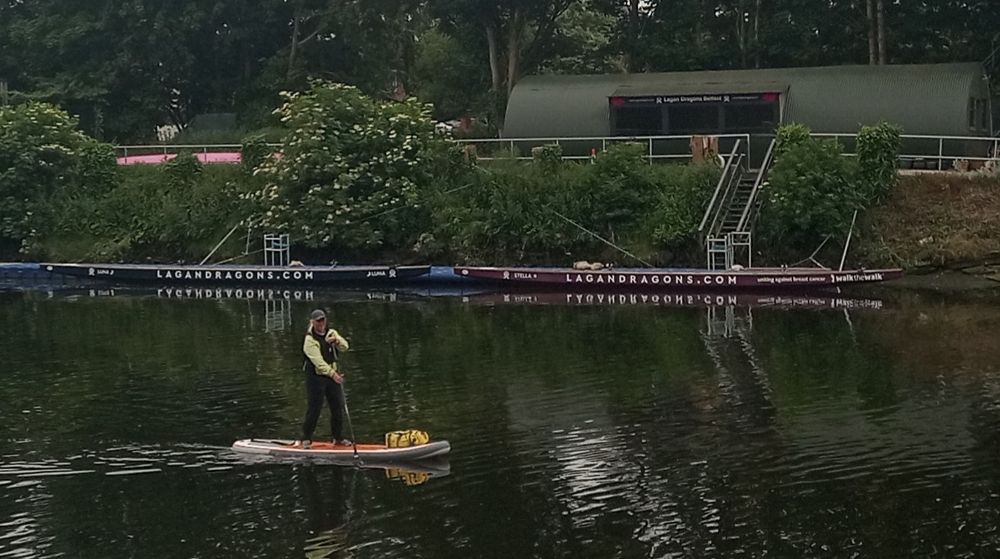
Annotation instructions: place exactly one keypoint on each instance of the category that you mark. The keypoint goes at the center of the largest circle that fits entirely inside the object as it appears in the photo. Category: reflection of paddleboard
(367, 452)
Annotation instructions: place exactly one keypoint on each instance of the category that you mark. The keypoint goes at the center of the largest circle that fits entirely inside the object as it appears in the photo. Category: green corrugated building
(933, 99)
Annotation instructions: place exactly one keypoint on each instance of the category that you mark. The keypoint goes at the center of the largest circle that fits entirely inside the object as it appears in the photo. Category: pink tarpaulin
(220, 158)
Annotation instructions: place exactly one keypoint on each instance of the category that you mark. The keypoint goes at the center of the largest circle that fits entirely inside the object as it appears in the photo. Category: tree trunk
(741, 32)
(699, 42)
(632, 39)
(756, 34)
(872, 54)
(491, 41)
(883, 56)
(293, 50)
(513, 50)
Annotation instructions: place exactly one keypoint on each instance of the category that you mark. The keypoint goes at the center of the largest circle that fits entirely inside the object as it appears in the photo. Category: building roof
(923, 99)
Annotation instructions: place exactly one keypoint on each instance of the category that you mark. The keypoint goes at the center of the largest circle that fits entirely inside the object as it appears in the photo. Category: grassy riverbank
(934, 222)
(169, 213)
(366, 181)
(928, 223)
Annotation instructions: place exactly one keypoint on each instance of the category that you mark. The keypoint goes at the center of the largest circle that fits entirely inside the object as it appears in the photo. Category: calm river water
(581, 427)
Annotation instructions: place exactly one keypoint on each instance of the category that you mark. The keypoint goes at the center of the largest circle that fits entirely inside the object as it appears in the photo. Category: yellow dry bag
(409, 437)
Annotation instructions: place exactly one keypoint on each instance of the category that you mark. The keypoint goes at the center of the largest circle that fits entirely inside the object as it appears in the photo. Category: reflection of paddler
(326, 502)
(327, 544)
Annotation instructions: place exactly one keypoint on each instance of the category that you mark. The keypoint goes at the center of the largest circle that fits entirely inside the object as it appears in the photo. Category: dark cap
(317, 314)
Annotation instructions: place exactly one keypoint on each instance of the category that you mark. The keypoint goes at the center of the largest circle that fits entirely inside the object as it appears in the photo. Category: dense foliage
(44, 159)
(126, 67)
(364, 180)
(553, 211)
(352, 170)
(355, 179)
(166, 213)
(878, 152)
(814, 190)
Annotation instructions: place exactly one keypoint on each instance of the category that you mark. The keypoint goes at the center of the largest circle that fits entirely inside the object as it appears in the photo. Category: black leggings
(319, 387)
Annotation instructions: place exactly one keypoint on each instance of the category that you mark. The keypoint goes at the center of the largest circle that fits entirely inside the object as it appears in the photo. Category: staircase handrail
(725, 181)
(729, 190)
(765, 166)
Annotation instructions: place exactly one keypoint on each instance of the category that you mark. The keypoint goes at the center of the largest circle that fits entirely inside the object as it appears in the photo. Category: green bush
(684, 195)
(814, 190)
(813, 193)
(790, 135)
(513, 212)
(878, 155)
(183, 172)
(97, 168)
(254, 152)
(621, 188)
(549, 154)
(44, 159)
(505, 212)
(159, 212)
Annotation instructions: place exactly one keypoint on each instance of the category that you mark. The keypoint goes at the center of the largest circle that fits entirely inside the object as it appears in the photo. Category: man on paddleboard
(323, 379)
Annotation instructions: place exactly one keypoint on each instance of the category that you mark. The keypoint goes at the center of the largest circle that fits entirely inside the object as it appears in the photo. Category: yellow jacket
(314, 351)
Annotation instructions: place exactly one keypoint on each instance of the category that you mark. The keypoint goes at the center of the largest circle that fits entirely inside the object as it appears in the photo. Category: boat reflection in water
(278, 303)
(486, 296)
(716, 299)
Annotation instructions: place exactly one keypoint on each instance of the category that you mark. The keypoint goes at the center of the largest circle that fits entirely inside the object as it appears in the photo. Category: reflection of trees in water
(690, 439)
(710, 466)
(613, 476)
(594, 431)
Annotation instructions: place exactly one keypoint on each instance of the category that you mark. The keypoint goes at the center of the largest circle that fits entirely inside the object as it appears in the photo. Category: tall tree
(516, 32)
(883, 57)
(872, 32)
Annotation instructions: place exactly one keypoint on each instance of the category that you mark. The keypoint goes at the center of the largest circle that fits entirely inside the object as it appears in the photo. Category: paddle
(350, 424)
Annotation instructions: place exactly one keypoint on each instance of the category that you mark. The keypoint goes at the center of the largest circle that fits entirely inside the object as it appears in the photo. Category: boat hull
(237, 275)
(670, 279)
(367, 452)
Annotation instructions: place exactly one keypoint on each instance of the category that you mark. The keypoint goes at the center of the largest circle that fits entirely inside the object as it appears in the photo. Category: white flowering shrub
(351, 170)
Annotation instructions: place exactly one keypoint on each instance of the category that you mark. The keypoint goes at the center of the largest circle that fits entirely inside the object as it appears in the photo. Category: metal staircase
(727, 225)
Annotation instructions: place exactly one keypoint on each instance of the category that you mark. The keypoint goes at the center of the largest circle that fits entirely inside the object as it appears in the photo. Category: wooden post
(3, 93)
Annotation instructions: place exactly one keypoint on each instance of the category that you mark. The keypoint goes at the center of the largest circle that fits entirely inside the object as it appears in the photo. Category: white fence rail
(172, 149)
(663, 148)
(936, 153)
(918, 151)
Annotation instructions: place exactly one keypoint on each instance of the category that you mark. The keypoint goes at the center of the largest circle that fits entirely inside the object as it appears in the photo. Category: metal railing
(936, 153)
(747, 217)
(658, 148)
(731, 172)
(918, 151)
(172, 149)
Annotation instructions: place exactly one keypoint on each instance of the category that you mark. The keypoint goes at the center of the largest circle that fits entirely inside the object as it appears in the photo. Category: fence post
(940, 152)
(512, 154)
(650, 140)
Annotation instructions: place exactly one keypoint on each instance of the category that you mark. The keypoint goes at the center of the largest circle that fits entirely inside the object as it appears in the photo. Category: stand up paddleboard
(366, 452)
